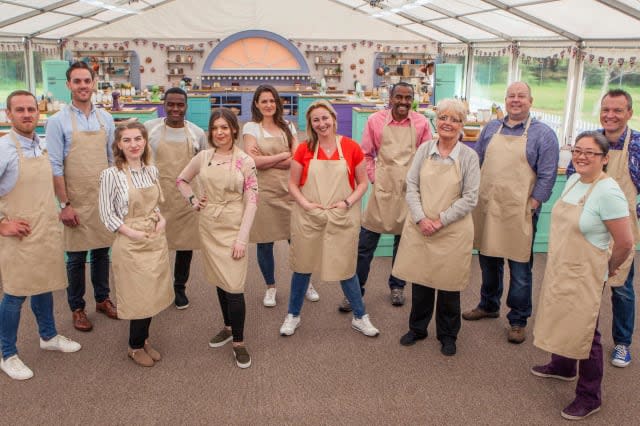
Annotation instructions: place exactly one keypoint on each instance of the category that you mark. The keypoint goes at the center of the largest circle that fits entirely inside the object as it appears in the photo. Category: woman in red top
(327, 179)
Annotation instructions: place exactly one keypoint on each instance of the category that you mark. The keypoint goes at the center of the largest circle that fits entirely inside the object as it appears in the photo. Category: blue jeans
(266, 262)
(367, 243)
(623, 303)
(76, 276)
(350, 288)
(520, 284)
(10, 307)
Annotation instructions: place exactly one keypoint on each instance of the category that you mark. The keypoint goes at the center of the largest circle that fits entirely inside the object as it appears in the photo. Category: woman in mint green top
(591, 212)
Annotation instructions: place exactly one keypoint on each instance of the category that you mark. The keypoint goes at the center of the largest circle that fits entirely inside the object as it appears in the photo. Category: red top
(350, 149)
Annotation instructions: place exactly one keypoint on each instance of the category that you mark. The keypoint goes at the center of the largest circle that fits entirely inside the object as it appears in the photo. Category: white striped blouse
(114, 193)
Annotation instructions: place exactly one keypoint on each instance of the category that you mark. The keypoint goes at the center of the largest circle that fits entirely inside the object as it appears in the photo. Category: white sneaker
(15, 368)
(311, 294)
(289, 326)
(60, 343)
(364, 326)
(269, 297)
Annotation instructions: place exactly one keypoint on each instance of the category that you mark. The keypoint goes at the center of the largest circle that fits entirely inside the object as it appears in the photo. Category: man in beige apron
(519, 160)
(31, 253)
(79, 139)
(174, 141)
(389, 142)
(624, 166)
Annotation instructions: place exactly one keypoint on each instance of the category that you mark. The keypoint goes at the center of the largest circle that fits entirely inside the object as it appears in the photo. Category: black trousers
(233, 312)
(182, 267)
(138, 332)
(447, 312)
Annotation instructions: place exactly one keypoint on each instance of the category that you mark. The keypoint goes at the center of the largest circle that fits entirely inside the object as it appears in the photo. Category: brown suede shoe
(477, 314)
(140, 357)
(154, 354)
(108, 308)
(516, 334)
(80, 320)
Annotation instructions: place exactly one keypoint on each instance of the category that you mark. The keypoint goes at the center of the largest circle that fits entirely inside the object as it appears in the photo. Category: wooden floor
(325, 374)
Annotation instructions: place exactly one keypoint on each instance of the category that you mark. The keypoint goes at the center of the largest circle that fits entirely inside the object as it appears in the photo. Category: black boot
(181, 300)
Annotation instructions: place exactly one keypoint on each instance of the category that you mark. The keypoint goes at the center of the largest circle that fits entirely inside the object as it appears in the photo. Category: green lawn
(550, 96)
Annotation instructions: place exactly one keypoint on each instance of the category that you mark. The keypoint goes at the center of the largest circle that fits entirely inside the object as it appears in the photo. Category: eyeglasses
(588, 154)
(450, 119)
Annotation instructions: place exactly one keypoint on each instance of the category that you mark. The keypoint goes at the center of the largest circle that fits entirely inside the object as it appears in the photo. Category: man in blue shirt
(31, 257)
(616, 109)
(79, 139)
(519, 160)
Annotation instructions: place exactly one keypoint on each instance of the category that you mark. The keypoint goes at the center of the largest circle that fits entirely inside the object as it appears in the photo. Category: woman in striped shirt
(129, 197)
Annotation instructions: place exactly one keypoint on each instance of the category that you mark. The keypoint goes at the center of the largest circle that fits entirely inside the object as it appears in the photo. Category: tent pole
(28, 61)
(576, 70)
(468, 72)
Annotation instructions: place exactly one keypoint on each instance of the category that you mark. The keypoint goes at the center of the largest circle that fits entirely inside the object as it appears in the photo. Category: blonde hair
(453, 105)
(311, 134)
(118, 155)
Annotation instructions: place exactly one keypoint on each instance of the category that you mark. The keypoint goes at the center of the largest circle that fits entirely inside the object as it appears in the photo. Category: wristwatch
(65, 204)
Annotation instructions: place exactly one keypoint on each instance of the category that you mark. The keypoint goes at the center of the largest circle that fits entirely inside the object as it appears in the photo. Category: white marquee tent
(540, 28)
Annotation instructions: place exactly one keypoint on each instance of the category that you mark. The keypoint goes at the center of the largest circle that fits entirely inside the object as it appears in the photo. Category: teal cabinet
(448, 81)
(541, 242)
(199, 110)
(55, 80)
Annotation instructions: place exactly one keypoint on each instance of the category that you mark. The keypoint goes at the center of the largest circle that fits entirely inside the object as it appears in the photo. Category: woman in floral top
(227, 206)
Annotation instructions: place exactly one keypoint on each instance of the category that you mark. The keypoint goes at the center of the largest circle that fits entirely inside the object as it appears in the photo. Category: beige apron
(618, 168)
(220, 222)
(443, 260)
(325, 242)
(572, 285)
(503, 218)
(141, 268)
(35, 264)
(87, 158)
(387, 208)
(182, 220)
(273, 218)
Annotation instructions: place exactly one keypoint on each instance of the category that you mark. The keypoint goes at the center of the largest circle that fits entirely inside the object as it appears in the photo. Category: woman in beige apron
(270, 140)
(227, 207)
(591, 210)
(435, 248)
(31, 252)
(129, 196)
(327, 180)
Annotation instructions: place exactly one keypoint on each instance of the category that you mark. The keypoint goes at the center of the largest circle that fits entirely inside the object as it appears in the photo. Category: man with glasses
(519, 159)
(389, 141)
(616, 109)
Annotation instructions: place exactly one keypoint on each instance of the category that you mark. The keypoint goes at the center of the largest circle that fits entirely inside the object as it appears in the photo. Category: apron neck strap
(526, 127)
(187, 136)
(625, 144)
(583, 200)
(338, 147)
(16, 142)
(74, 120)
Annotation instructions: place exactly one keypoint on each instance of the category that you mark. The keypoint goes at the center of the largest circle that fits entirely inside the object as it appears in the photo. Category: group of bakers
(143, 190)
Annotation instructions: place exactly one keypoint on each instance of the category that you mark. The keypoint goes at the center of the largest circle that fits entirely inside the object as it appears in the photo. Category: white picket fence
(555, 122)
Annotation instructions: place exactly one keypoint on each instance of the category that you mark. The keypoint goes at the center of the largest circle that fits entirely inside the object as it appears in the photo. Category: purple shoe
(546, 371)
(578, 410)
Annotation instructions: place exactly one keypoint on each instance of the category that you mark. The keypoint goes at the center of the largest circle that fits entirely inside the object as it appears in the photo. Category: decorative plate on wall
(153, 69)
(361, 61)
(352, 66)
(141, 69)
(148, 59)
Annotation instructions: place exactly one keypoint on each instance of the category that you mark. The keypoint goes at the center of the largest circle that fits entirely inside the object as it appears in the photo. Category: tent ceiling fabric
(445, 21)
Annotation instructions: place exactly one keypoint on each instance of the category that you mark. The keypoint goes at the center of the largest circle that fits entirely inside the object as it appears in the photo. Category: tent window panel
(489, 84)
(14, 75)
(547, 78)
(596, 81)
